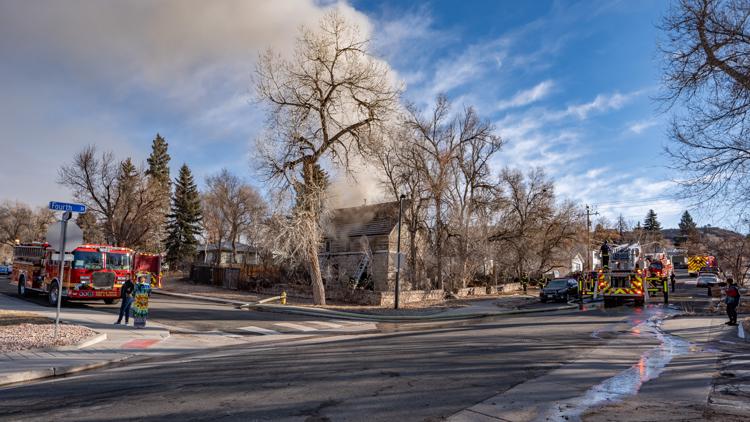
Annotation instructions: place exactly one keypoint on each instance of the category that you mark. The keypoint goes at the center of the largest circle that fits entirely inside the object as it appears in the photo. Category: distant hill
(711, 232)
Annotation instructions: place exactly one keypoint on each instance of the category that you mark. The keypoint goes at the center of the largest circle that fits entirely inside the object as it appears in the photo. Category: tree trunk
(313, 206)
(413, 258)
(318, 290)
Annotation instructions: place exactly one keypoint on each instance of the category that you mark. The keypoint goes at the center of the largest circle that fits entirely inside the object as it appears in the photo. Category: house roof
(367, 220)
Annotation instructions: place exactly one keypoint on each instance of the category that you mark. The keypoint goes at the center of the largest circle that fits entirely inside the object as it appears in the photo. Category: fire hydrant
(283, 298)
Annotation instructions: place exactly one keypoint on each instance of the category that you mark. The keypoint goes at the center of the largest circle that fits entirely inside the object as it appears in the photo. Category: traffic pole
(61, 278)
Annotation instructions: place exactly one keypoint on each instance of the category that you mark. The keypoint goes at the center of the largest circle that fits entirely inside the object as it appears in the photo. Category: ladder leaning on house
(361, 268)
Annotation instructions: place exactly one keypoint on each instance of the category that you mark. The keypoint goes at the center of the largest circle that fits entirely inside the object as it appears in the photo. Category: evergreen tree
(184, 220)
(687, 225)
(651, 224)
(158, 161)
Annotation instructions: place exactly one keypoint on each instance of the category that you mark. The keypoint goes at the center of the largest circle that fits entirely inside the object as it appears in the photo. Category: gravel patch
(24, 331)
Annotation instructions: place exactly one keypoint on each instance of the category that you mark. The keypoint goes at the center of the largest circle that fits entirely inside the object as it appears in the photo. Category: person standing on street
(673, 279)
(732, 300)
(126, 296)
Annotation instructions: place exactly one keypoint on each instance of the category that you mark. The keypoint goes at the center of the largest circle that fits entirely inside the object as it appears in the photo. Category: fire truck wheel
(52, 294)
(638, 302)
(22, 287)
(110, 301)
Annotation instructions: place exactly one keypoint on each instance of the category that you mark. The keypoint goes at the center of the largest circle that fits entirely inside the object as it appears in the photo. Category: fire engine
(622, 279)
(92, 272)
(700, 263)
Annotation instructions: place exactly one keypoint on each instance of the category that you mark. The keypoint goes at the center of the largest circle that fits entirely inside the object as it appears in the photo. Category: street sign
(63, 206)
(73, 236)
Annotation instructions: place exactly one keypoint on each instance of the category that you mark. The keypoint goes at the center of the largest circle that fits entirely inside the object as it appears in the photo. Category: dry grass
(15, 318)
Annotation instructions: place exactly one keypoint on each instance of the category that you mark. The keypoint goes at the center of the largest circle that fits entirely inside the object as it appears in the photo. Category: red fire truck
(92, 272)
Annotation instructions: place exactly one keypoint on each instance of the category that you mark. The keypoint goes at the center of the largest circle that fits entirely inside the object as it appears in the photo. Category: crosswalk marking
(259, 330)
(295, 326)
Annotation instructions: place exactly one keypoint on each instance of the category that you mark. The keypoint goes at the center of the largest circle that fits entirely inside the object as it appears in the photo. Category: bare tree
(18, 222)
(471, 192)
(324, 103)
(707, 71)
(236, 206)
(442, 139)
(531, 229)
(116, 193)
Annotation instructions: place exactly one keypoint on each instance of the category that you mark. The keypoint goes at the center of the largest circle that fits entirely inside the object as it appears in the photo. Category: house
(244, 255)
(577, 264)
(359, 247)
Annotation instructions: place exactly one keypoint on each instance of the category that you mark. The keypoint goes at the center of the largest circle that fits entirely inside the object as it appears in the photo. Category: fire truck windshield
(118, 261)
(87, 260)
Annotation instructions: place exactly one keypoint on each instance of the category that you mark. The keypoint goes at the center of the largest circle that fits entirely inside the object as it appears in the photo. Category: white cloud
(642, 125)
(468, 66)
(528, 96)
(602, 102)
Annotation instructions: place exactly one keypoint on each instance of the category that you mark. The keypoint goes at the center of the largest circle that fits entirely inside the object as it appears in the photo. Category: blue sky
(568, 84)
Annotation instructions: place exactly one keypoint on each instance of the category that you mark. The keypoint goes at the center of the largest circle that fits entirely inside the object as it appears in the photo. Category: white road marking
(259, 330)
(325, 324)
(295, 326)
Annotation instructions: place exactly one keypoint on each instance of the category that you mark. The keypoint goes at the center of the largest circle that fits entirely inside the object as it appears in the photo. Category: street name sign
(64, 206)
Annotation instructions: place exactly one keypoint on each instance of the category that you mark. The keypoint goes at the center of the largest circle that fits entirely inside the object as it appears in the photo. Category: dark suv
(562, 289)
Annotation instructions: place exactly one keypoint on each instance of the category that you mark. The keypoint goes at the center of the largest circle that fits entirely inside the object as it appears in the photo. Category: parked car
(5, 270)
(707, 280)
(559, 289)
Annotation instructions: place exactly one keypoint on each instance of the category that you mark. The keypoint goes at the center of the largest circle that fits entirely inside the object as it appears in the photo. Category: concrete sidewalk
(121, 343)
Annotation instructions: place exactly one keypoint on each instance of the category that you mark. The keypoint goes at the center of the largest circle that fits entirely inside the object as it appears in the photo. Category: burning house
(359, 248)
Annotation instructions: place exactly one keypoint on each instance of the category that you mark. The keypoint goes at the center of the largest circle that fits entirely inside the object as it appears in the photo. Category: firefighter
(672, 279)
(605, 255)
(126, 296)
(732, 300)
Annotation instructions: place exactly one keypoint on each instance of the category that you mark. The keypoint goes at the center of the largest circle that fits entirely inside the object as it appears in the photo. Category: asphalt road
(201, 316)
(422, 375)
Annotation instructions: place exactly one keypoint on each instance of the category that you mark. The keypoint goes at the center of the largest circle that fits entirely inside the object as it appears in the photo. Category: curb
(385, 318)
(204, 298)
(55, 371)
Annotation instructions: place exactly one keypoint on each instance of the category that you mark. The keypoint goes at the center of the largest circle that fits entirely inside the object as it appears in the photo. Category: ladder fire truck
(92, 272)
(698, 263)
(629, 276)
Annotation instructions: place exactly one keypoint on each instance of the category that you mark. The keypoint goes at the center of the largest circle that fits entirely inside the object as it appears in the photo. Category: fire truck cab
(92, 272)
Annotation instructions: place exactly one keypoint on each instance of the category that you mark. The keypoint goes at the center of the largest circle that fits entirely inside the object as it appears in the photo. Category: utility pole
(589, 264)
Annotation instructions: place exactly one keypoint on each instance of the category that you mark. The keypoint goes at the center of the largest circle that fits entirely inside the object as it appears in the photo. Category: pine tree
(651, 224)
(184, 222)
(687, 225)
(158, 161)
(160, 188)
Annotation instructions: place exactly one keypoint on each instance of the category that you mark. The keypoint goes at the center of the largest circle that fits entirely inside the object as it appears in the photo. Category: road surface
(426, 375)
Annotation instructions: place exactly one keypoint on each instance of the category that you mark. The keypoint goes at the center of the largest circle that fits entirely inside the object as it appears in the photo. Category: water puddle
(628, 382)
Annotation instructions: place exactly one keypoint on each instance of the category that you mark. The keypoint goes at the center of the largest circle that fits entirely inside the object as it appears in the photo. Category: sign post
(68, 210)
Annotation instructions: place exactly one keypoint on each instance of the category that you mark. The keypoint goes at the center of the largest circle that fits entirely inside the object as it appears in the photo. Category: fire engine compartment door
(147, 263)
